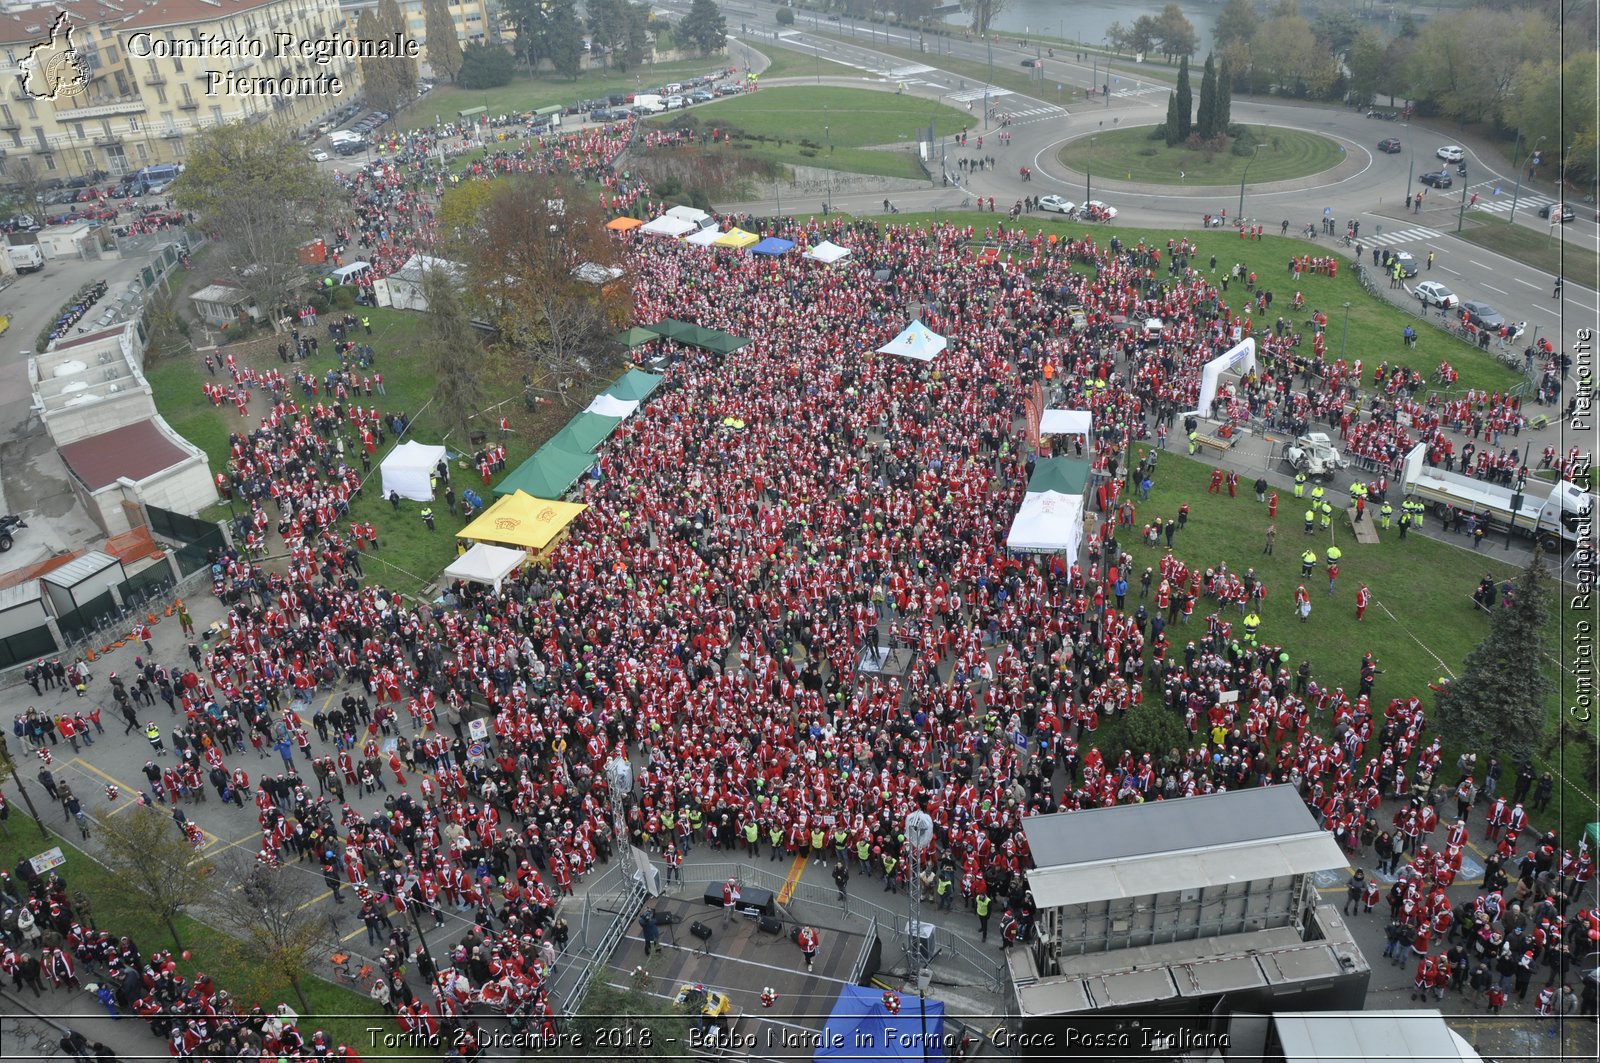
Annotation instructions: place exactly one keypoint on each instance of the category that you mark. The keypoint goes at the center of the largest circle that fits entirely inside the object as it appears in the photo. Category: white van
(648, 103)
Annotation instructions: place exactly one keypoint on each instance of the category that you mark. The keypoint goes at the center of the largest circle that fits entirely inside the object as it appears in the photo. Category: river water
(1088, 20)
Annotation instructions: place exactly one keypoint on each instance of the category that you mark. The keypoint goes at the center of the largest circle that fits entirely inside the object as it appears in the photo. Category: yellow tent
(520, 519)
(737, 238)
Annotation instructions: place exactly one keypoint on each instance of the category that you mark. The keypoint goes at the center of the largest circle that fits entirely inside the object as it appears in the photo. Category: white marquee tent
(917, 341)
(1066, 423)
(667, 225)
(1046, 522)
(705, 237)
(828, 252)
(408, 470)
(693, 215)
(1239, 359)
(487, 563)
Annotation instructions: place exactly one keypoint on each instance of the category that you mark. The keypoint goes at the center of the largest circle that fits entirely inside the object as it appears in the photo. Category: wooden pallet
(1366, 529)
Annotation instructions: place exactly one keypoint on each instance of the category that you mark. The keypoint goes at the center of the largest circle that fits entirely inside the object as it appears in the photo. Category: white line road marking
(1450, 271)
(1480, 265)
(1530, 284)
(1492, 288)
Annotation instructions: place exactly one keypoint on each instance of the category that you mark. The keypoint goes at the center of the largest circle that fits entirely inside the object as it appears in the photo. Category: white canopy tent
(408, 470)
(666, 225)
(1239, 359)
(487, 563)
(828, 252)
(1046, 522)
(705, 237)
(611, 406)
(1066, 423)
(918, 341)
(693, 215)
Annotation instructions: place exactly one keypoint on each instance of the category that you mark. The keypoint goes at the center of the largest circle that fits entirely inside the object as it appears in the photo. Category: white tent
(917, 341)
(1066, 423)
(828, 252)
(1046, 522)
(694, 215)
(1238, 359)
(705, 237)
(487, 563)
(611, 406)
(666, 225)
(408, 470)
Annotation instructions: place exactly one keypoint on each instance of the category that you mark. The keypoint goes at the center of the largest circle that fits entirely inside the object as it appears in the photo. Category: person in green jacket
(982, 901)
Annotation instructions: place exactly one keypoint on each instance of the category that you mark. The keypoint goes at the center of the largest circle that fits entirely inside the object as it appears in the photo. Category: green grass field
(836, 128)
(528, 93)
(1131, 154)
(1532, 247)
(1421, 624)
(784, 63)
(343, 1014)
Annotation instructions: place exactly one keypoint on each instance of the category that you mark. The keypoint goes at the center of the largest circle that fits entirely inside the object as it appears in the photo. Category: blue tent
(773, 245)
(862, 1030)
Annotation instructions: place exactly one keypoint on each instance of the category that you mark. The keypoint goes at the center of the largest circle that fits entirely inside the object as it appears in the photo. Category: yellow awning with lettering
(520, 519)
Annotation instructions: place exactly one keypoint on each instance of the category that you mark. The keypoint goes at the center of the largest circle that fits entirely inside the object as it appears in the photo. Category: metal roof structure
(1164, 846)
(1357, 1037)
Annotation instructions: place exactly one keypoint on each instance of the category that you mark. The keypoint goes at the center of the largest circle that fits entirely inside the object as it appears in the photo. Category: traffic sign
(478, 729)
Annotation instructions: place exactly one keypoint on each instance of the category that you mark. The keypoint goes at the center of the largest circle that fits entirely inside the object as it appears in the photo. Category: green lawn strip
(835, 128)
(1376, 327)
(1422, 606)
(1531, 247)
(345, 1015)
(1133, 154)
(530, 93)
(788, 63)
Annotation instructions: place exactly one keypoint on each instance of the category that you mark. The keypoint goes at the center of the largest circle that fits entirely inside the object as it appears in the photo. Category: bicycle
(342, 973)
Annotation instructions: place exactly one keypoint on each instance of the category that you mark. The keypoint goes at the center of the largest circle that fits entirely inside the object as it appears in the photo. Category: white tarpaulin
(828, 252)
(669, 226)
(705, 237)
(1046, 522)
(487, 563)
(1066, 423)
(609, 406)
(693, 215)
(1240, 359)
(917, 341)
(408, 470)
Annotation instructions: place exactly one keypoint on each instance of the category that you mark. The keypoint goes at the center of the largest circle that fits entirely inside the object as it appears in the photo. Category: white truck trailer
(1551, 512)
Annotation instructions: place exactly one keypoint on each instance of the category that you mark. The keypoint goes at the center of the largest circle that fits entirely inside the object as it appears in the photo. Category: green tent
(636, 337)
(695, 336)
(548, 473)
(1066, 475)
(671, 329)
(585, 432)
(634, 386)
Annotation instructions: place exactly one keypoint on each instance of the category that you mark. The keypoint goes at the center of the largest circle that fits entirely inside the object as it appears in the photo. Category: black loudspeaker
(769, 925)
(794, 935)
(700, 930)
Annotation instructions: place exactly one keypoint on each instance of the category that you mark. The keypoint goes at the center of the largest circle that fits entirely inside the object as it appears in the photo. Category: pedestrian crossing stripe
(1400, 236)
(968, 95)
(1037, 110)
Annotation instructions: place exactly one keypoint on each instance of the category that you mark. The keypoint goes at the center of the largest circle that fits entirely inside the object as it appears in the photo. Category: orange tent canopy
(622, 225)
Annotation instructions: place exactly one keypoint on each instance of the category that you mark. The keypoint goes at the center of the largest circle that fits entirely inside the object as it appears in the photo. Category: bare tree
(151, 855)
(277, 925)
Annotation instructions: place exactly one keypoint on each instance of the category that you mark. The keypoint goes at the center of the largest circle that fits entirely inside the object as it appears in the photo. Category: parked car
(1435, 294)
(1442, 179)
(1408, 262)
(1094, 210)
(1389, 146)
(701, 96)
(1057, 205)
(1559, 211)
(1483, 315)
(1451, 153)
(1033, 64)
(319, 156)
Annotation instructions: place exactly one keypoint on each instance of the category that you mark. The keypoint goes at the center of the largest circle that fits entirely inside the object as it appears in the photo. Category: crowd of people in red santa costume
(765, 517)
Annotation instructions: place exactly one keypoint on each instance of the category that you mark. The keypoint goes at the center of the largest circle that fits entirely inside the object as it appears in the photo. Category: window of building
(139, 149)
(88, 160)
(49, 163)
(33, 112)
(216, 114)
(133, 123)
(161, 94)
(77, 131)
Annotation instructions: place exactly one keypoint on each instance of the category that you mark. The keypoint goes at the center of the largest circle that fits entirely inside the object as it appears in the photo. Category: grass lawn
(784, 63)
(527, 93)
(345, 1015)
(1422, 611)
(1532, 247)
(410, 555)
(836, 128)
(1132, 154)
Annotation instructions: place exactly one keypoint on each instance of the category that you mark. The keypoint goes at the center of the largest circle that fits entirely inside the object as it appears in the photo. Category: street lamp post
(919, 835)
(1344, 337)
(1242, 177)
(1087, 167)
(10, 767)
(1411, 167)
(1517, 192)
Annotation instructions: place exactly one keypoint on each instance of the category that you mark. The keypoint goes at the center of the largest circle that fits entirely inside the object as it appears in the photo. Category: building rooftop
(134, 451)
